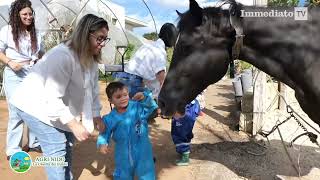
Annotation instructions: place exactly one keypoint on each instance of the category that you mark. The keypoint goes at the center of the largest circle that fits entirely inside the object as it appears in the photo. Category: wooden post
(282, 88)
(259, 101)
(232, 70)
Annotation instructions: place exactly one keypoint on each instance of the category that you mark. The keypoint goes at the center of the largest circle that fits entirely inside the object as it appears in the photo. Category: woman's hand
(98, 124)
(104, 149)
(15, 66)
(78, 130)
(138, 96)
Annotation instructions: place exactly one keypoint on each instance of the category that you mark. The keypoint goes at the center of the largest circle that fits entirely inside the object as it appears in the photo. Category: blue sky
(162, 10)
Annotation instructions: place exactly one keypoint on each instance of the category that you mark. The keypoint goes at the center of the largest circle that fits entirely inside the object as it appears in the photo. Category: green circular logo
(20, 162)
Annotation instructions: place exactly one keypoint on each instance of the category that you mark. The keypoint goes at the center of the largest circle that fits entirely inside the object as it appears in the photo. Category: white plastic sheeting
(68, 13)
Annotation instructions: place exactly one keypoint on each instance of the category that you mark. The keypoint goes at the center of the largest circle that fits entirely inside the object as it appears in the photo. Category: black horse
(287, 49)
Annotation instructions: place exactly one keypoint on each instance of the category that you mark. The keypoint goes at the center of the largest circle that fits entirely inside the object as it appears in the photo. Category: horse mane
(214, 20)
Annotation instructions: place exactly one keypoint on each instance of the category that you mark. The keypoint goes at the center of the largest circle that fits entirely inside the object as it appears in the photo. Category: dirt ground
(218, 152)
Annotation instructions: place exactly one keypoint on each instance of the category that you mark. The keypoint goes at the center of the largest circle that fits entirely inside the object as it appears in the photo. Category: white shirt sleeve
(159, 62)
(158, 65)
(3, 39)
(96, 106)
(59, 70)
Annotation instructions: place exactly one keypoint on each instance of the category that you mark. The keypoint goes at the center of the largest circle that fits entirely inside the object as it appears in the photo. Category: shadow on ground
(86, 156)
(247, 159)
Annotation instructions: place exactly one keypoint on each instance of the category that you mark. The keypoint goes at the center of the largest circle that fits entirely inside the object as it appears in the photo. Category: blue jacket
(129, 131)
(181, 129)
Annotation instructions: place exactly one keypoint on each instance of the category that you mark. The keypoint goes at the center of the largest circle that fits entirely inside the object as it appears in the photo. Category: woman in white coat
(62, 87)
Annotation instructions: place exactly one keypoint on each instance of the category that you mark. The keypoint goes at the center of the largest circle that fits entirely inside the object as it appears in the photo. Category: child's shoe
(184, 161)
(179, 156)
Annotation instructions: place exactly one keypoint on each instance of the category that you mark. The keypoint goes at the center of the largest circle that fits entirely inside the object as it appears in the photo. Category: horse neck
(272, 45)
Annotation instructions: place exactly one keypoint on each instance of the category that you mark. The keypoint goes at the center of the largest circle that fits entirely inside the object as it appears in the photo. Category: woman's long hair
(79, 40)
(16, 23)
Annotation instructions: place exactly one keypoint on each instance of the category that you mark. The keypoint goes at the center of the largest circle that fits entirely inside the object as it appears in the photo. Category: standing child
(181, 131)
(127, 125)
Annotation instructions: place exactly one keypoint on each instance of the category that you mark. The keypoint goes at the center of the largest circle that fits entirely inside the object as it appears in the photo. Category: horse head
(201, 54)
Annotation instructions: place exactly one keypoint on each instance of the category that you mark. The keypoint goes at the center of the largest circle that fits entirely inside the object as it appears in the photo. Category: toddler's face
(120, 98)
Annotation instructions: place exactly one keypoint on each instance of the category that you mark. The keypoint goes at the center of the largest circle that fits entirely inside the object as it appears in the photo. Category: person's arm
(147, 103)
(78, 130)
(96, 105)
(4, 59)
(59, 68)
(104, 138)
(158, 62)
(189, 123)
(193, 109)
(15, 66)
(3, 46)
(161, 75)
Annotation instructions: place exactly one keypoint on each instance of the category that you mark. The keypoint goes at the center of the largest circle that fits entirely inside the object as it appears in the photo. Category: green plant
(281, 3)
(169, 56)
(315, 2)
(130, 51)
(239, 66)
(151, 36)
(51, 39)
(244, 65)
(105, 77)
(277, 3)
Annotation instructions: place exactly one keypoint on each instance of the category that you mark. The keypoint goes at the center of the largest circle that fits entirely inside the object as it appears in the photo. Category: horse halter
(236, 24)
(238, 44)
(178, 37)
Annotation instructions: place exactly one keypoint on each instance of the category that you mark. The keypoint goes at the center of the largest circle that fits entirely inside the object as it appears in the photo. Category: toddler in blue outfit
(127, 125)
(181, 131)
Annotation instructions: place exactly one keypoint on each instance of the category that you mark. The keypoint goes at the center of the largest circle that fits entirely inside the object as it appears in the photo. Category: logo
(20, 162)
(301, 13)
(298, 13)
(49, 161)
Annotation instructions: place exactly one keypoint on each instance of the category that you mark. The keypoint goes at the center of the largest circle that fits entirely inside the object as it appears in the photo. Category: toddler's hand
(104, 149)
(138, 96)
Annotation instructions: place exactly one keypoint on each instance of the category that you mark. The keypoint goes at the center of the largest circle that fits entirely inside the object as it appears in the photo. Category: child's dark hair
(113, 87)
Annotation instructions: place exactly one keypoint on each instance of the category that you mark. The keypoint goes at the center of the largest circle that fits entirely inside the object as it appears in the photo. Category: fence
(269, 110)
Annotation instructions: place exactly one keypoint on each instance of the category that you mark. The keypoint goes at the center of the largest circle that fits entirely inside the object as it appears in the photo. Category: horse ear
(179, 13)
(194, 8)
